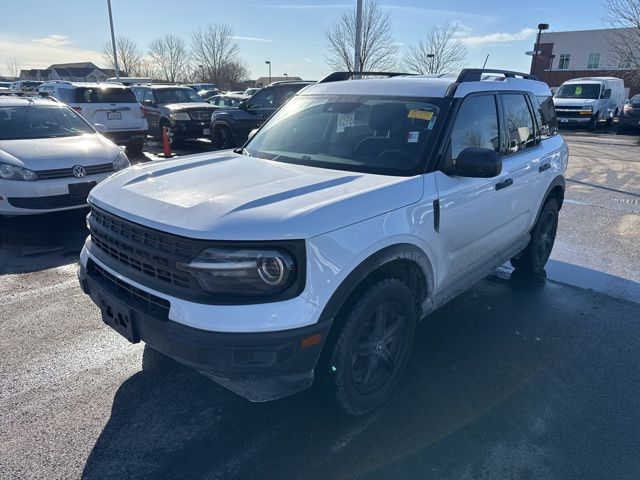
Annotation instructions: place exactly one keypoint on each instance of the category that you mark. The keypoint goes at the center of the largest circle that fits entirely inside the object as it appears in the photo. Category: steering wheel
(396, 154)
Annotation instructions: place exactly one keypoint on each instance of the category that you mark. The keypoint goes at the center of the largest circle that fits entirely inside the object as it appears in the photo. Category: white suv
(112, 105)
(356, 210)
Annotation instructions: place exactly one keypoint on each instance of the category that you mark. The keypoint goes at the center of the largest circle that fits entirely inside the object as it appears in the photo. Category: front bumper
(125, 136)
(630, 120)
(582, 120)
(192, 129)
(259, 366)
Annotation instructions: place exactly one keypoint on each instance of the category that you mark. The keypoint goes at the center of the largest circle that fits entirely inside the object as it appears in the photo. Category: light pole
(541, 27)
(286, 75)
(431, 56)
(113, 42)
(269, 63)
(358, 45)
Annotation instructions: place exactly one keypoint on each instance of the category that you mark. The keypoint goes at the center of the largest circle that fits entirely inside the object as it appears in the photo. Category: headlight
(180, 116)
(586, 110)
(121, 162)
(14, 172)
(233, 271)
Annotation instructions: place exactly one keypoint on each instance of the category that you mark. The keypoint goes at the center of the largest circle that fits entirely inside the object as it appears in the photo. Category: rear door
(150, 104)
(114, 107)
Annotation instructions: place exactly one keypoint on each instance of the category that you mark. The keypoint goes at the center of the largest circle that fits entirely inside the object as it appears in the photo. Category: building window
(594, 61)
(564, 61)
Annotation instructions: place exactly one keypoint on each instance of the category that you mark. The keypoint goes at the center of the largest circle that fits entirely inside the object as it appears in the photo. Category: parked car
(6, 85)
(358, 208)
(630, 116)
(182, 111)
(589, 100)
(251, 91)
(207, 94)
(226, 101)
(112, 105)
(231, 127)
(50, 157)
(25, 86)
(202, 86)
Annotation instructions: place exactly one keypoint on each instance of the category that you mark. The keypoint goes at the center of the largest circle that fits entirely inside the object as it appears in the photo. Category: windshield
(579, 90)
(30, 122)
(177, 95)
(345, 132)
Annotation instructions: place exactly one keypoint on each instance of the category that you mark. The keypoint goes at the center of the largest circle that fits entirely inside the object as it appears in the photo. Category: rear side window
(104, 95)
(521, 133)
(546, 114)
(476, 126)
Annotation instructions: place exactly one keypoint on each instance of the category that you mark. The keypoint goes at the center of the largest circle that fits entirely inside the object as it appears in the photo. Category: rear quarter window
(546, 116)
(104, 95)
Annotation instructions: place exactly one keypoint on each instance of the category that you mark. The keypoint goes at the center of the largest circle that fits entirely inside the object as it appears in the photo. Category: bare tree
(129, 56)
(214, 48)
(169, 54)
(13, 67)
(232, 75)
(439, 52)
(378, 50)
(624, 44)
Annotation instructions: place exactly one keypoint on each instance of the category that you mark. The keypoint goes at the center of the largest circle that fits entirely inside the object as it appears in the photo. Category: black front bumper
(191, 128)
(126, 136)
(258, 366)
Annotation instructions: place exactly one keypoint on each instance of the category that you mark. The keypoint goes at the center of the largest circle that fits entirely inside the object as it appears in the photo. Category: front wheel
(534, 257)
(368, 356)
(223, 138)
(593, 122)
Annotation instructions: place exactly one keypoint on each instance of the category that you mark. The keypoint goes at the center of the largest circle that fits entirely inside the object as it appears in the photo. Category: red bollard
(166, 148)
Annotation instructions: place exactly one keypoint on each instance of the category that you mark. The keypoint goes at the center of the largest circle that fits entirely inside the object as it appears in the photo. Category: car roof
(68, 84)
(434, 86)
(27, 101)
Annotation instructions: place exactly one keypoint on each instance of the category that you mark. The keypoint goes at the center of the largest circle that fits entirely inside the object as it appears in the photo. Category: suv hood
(227, 196)
(181, 107)
(62, 152)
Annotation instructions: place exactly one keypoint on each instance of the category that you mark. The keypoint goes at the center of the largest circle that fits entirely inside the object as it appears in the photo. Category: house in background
(562, 56)
(73, 72)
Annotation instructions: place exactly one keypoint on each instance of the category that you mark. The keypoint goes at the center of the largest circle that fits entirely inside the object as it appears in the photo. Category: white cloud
(252, 39)
(54, 40)
(473, 41)
(308, 60)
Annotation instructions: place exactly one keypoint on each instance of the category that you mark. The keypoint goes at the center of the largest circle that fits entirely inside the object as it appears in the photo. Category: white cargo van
(589, 100)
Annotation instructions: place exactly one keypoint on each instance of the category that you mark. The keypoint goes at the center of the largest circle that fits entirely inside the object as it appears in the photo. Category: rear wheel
(534, 257)
(135, 147)
(368, 356)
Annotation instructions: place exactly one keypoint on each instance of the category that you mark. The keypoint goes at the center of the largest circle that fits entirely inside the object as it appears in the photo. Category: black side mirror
(243, 105)
(606, 93)
(476, 162)
(149, 103)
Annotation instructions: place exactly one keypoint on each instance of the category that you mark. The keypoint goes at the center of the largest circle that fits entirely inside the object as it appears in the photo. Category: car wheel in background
(593, 122)
(223, 138)
(135, 147)
(534, 257)
(367, 357)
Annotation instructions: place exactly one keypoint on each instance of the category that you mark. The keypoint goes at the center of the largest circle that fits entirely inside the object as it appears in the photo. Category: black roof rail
(475, 74)
(339, 76)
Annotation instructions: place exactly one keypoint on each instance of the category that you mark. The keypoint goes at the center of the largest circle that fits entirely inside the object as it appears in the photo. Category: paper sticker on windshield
(345, 120)
(412, 137)
(578, 89)
(420, 114)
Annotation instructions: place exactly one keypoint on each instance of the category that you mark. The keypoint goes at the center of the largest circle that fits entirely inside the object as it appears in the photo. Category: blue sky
(289, 33)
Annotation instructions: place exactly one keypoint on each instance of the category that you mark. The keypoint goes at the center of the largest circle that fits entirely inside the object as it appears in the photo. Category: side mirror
(477, 162)
(252, 133)
(148, 103)
(100, 128)
(243, 105)
(606, 93)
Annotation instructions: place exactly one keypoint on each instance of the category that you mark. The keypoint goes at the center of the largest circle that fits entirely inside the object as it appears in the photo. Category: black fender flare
(558, 181)
(400, 251)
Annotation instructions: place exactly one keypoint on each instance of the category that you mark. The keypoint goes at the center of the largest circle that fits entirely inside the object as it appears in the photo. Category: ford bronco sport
(359, 207)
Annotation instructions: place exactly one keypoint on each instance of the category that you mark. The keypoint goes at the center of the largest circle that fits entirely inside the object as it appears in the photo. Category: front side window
(263, 99)
(372, 134)
(521, 132)
(167, 96)
(594, 60)
(40, 122)
(579, 90)
(546, 115)
(476, 126)
(564, 61)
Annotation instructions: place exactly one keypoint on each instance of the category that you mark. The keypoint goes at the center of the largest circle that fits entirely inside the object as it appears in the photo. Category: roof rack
(475, 74)
(339, 76)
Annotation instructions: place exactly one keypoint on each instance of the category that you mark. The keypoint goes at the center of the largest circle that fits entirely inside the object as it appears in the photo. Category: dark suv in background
(185, 114)
(231, 127)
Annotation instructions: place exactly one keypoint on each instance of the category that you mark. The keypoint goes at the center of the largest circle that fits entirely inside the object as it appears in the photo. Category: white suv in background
(357, 209)
(114, 106)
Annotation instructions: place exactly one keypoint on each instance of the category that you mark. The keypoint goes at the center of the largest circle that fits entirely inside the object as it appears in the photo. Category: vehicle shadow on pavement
(470, 358)
(35, 242)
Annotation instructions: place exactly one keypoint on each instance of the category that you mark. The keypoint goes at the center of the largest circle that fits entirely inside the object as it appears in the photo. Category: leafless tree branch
(13, 67)
(215, 49)
(624, 44)
(129, 56)
(438, 52)
(170, 57)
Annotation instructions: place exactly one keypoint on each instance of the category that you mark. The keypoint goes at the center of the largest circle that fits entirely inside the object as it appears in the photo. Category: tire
(367, 357)
(223, 138)
(173, 140)
(593, 122)
(534, 257)
(135, 147)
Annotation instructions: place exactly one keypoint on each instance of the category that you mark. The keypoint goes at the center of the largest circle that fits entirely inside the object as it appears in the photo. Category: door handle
(543, 167)
(504, 184)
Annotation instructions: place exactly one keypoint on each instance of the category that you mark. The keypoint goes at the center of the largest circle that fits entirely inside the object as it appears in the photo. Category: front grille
(124, 290)
(68, 172)
(147, 251)
(47, 203)
(200, 115)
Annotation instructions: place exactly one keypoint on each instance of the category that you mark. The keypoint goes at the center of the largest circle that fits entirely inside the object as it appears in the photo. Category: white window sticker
(413, 137)
(345, 120)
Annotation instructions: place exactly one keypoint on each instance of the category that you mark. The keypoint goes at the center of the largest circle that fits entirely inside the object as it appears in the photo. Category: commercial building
(73, 72)
(561, 56)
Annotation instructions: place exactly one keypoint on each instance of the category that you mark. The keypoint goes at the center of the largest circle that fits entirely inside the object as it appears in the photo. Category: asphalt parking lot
(514, 379)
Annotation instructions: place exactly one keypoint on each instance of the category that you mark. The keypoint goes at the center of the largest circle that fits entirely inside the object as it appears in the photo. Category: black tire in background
(223, 137)
(135, 147)
(367, 357)
(534, 257)
(593, 122)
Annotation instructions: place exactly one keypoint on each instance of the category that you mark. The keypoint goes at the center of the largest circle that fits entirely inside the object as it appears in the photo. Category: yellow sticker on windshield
(420, 114)
(578, 89)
